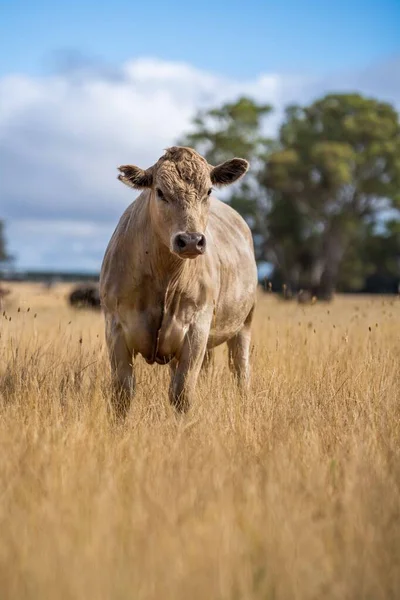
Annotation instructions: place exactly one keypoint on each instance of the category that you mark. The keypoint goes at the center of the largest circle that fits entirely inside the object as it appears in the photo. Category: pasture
(290, 493)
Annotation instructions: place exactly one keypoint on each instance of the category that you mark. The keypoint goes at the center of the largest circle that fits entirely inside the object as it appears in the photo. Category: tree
(337, 168)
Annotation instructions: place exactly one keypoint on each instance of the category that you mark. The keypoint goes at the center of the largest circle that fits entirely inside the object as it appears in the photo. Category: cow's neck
(163, 263)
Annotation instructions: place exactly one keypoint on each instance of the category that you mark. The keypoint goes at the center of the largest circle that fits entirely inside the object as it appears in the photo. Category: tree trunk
(333, 250)
(327, 285)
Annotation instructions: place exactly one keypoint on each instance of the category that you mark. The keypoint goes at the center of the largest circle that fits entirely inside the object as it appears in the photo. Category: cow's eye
(160, 195)
(209, 192)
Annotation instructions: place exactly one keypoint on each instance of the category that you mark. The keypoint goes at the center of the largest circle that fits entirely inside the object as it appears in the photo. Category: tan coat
(179, 275)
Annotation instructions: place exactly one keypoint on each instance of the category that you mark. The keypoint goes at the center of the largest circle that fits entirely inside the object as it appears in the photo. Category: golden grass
(291, 493)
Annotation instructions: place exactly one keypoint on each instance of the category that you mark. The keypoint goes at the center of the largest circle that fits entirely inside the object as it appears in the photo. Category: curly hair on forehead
(183, 153)
(181, 164)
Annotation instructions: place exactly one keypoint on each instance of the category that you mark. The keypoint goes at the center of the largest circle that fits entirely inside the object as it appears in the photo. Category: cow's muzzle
(189, 245)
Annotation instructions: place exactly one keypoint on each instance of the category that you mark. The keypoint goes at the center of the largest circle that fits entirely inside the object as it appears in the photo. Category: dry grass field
(290, 493)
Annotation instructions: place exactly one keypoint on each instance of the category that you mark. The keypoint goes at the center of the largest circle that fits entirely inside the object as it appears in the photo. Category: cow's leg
(186, 369)
(239, 353)
(122, 374)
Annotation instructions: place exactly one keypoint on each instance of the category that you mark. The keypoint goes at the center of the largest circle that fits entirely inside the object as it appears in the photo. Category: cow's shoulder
(227, 222)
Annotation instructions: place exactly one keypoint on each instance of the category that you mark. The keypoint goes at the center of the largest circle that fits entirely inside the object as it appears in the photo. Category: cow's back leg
(239, 353)
(122, 373)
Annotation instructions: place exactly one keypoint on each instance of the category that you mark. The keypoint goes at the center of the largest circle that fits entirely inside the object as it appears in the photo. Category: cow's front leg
(185, 371)
(122, 374)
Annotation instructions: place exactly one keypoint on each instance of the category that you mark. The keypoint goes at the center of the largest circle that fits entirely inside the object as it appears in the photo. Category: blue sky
(86, 86)
(232, 37)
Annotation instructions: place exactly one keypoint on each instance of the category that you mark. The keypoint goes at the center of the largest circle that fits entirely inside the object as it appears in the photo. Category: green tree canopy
(234, 128)
(338, 165)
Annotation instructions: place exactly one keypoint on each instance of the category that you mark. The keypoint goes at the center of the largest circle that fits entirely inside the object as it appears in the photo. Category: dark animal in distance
(85, 296)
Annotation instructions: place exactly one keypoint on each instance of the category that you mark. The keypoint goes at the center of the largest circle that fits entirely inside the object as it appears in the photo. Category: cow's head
(181, 184)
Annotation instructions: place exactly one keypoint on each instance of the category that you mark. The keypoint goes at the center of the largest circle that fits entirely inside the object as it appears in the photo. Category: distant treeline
(374, 284)
(48, 276)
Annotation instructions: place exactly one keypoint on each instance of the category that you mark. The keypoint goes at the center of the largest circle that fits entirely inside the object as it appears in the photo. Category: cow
(178, 277)
(85, 296)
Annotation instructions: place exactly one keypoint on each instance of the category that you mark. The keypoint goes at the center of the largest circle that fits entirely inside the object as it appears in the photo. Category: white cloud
(62, 137)
(64, 245)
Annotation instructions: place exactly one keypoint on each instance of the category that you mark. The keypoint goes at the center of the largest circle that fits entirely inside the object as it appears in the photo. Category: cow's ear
(135, 177)
(229, 171)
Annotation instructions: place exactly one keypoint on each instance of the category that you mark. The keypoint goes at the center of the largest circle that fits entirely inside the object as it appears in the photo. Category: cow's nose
(189, 244)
